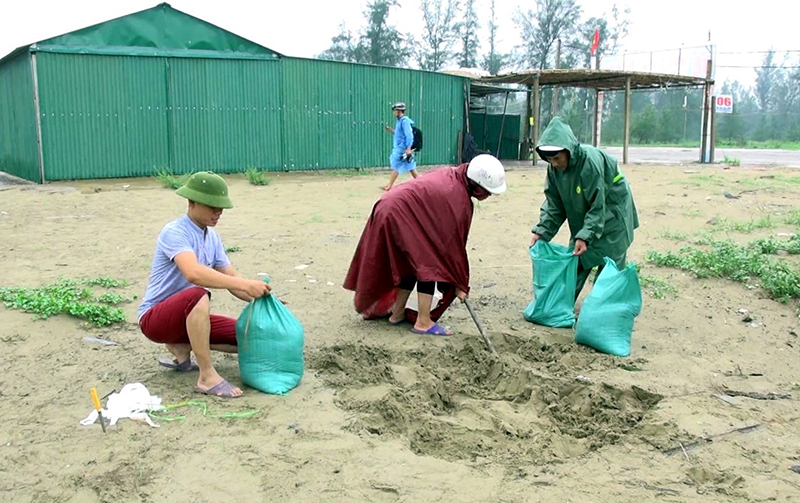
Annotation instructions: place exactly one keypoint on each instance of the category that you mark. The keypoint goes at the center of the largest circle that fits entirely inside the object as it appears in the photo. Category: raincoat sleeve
(408, 134)
(552, 214)
(594, 192)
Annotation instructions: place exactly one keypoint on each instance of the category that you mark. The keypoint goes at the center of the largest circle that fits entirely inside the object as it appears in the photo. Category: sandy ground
(386, 416)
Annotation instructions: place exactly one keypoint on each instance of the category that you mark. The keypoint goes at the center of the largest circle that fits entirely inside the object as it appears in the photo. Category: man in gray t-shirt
(190, 259)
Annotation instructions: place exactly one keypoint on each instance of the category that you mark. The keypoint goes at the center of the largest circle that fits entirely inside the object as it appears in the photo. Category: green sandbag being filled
(555, 274)
(606, 318)
(270, 343)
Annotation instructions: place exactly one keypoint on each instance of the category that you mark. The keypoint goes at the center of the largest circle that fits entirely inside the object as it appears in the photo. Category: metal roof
(158, 31)
(602, 80)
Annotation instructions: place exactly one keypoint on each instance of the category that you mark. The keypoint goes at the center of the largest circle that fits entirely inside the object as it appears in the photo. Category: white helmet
(488, 172)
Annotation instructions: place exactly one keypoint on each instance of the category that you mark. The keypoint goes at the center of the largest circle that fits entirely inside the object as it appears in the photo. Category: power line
(760, 52)
(761, 67)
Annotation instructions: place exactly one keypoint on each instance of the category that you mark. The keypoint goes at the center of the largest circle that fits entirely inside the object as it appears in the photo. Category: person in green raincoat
(585, 187)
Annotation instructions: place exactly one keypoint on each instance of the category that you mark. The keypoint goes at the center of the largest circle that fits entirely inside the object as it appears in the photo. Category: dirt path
(386, 416)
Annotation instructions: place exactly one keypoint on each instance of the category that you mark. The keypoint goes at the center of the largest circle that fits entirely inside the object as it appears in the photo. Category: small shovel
(479, 324)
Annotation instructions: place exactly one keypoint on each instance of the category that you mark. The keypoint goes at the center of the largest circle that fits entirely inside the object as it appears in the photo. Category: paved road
(668, 155)
(657, 155)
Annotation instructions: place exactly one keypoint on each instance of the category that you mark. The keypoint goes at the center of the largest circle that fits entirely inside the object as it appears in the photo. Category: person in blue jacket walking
(402, 157)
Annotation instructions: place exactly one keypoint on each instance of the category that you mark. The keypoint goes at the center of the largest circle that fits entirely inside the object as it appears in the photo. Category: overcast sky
(305, 28)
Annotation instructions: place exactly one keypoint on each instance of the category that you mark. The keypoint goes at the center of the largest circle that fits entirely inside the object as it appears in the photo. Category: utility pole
(554, 108)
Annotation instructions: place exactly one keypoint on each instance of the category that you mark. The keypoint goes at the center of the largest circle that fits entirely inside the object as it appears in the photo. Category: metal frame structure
(532, 81)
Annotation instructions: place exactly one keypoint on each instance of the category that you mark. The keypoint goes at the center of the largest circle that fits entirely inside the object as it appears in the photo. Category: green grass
(233, 249)
(71, 297)
(684, 144)
(778, 181)
(793, 218)
(702, 180)
(703, 238)
(170, 181)
(769, 144)
(741, 263)
(732, 161)
(754, 145)
(691, 213)
(673, 235)
(257, 177)
(744, 227)
(771, 246)
(657, 287)
(770, 182)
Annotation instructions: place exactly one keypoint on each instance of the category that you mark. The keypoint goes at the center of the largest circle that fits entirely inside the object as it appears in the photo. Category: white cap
(488, 172)
(551, 148)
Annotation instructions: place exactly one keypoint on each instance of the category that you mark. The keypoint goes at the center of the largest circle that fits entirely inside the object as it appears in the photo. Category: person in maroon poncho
(417, 236)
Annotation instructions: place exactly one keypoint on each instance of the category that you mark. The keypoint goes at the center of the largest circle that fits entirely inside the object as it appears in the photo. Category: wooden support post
(525, 150)
(626, 133)
(536, 107)
(598, 118)
(713, 130)
(706, 114)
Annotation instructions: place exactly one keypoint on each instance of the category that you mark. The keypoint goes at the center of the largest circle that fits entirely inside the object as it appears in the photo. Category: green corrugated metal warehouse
(160, 89)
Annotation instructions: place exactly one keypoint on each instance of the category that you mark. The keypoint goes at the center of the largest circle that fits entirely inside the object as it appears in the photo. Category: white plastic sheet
(132, 402)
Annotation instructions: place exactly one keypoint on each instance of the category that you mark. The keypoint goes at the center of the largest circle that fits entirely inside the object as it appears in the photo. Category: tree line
(452, 34)
(557, 34)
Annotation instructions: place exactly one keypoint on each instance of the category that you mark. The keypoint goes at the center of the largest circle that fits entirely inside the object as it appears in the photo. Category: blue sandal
(436, 329)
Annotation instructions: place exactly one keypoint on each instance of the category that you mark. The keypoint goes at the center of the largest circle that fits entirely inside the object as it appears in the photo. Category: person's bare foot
(181, 352)
(208, 380)
(396, 320)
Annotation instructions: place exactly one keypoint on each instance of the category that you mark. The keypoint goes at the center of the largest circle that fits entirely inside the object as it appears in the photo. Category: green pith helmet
(206, 188)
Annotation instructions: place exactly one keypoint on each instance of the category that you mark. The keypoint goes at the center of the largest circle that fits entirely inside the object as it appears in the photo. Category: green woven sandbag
(270, 341)
(555, 275)
(606, 318)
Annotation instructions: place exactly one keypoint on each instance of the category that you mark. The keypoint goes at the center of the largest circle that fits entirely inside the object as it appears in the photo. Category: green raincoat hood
(559, 134)
(592, 195)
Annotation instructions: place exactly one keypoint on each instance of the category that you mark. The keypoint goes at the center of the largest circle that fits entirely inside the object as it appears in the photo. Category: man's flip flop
(223, 390)
(436, 329)
(186, 366)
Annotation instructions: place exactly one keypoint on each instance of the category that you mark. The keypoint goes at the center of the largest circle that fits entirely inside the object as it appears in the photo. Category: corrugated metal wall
(19, 154)
(335, 113)
(225, 114)
(102, 116)
(118, 116)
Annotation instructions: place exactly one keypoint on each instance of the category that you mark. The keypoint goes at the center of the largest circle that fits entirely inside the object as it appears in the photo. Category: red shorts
(165, 322)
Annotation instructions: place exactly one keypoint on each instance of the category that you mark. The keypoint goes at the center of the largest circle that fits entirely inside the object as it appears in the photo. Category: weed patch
(657, 287)
(673, 236)
(170, 181)
(746, 227)
(732, 161)
(257, 177)
(71, 297)
(742, 263)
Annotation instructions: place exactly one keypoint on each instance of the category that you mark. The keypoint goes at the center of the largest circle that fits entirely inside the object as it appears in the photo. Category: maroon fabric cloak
(420, 229)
